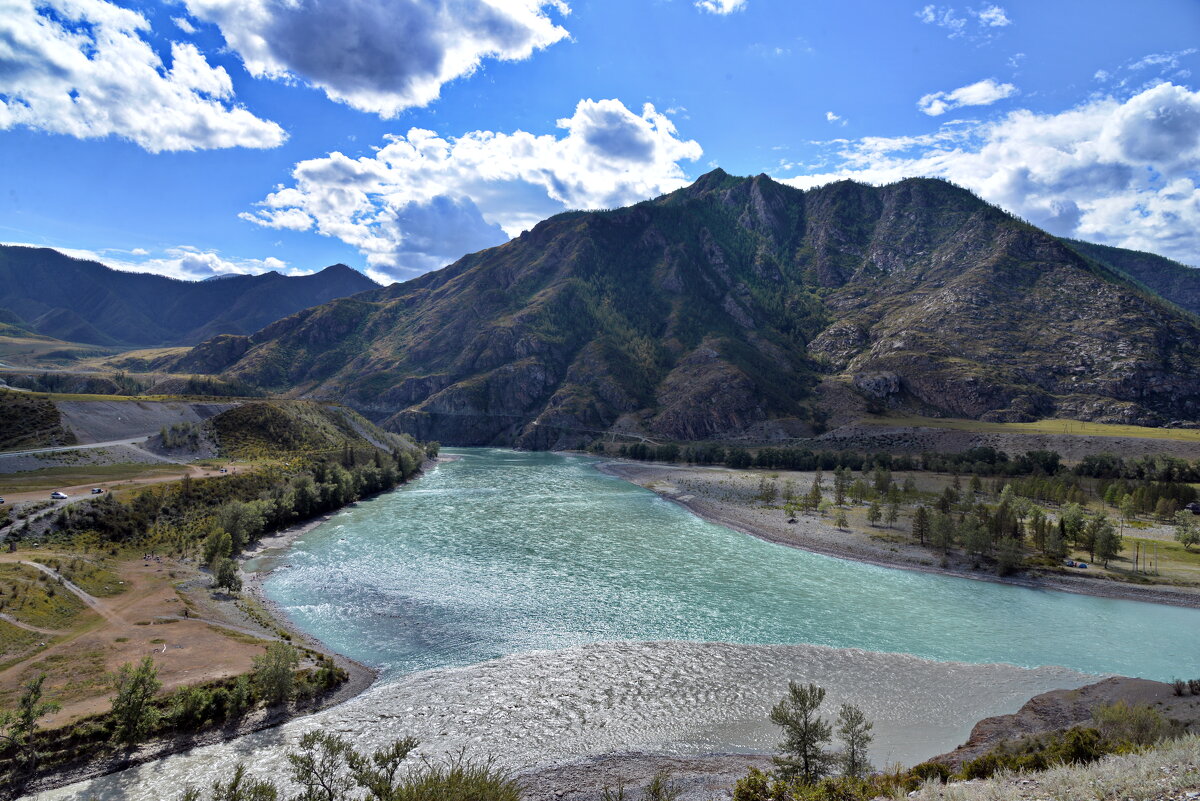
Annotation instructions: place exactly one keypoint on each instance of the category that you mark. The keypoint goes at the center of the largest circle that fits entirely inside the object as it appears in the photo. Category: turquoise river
(504, 552)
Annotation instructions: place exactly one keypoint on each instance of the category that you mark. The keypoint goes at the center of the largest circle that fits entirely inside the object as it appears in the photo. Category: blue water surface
(503, 552)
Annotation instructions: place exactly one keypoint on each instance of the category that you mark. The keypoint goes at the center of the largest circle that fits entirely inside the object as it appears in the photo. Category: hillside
(1176, 282)
(280, 428)
(715, 312)
(48, 293)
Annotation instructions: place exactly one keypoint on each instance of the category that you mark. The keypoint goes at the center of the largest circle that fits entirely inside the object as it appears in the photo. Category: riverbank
(706, 492)
(254, 616)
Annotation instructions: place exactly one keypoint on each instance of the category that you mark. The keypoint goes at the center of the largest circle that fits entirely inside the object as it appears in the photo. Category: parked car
(97, 491)
(223, 470)
(58, 496)
(1, 500)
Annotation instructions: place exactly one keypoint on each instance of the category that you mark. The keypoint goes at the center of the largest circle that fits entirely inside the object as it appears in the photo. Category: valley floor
(727, 497)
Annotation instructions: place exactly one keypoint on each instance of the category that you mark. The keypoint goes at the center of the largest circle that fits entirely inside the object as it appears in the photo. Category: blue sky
(197, 137)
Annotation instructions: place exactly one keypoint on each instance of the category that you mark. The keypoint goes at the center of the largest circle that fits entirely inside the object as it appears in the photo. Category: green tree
(839, 519)
(218, 544)
(1008, 556)
(1056, 545)
(854, 730)
(133, 712)
(893, 513)
(1074, 523)
(805, 733)
(1187, 533)
(1128, 510)
(319, 766)
(874, 513)
(227, 576)
(858, 491)
(17, 728)
(941, 532)
(1107, 541)
(274, 672)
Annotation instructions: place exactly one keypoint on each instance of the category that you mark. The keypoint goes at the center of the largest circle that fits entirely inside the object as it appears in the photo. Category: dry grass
(34, 598)
(1069, 427)
(52, 478)
(1170, 772)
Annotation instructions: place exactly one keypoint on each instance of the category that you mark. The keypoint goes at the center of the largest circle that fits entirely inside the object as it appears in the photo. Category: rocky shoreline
(810, 534)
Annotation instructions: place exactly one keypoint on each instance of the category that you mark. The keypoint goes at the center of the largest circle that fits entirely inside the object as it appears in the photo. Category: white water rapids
(551, 707)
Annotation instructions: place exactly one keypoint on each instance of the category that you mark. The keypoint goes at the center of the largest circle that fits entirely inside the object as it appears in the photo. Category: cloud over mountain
(474, 190)
(380, 56)
(1119, 171)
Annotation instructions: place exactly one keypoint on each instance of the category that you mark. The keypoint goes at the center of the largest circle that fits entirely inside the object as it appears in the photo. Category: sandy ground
(722, 496)
(122, 629)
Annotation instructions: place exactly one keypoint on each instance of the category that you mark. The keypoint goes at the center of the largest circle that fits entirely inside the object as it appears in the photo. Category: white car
(97, 491)
(58, 496)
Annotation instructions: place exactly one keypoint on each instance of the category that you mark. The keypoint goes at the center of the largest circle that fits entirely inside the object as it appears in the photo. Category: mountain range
(48, 293)
(741, 307)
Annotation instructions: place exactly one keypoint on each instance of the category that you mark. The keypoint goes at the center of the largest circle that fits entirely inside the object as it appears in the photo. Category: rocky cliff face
(712, 312)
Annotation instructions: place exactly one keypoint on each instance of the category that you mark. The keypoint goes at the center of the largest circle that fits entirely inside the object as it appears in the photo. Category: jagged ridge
(714, 311)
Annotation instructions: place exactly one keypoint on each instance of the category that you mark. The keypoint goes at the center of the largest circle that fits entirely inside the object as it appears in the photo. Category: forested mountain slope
(55, 295)
(714, 311)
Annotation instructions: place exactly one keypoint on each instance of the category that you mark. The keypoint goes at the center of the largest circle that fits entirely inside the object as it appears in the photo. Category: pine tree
(893, 513)
(803, 756)
(874, 513)
(920, 524)
(854, 730)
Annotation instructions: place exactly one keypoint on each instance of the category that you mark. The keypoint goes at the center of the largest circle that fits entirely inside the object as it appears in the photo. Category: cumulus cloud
(992, 17)
(959, 24)
(423, 200)
(380, 56)
(980, 93)
(83, 68)
(720, 6)
(1123, 172)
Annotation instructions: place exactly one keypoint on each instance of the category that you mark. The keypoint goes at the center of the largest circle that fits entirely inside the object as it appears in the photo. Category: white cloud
(944, 18)
(992, 17)
(720, 6)
(184, 24)
(380, 56)
(83, 68)
(1122, 172)
(183, 262)
(980, 93)
(959, 25)
(1165, 60)
(423, 200)
(834, 118)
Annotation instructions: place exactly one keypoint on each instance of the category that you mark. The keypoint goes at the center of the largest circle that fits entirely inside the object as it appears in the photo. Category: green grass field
(1069, 427)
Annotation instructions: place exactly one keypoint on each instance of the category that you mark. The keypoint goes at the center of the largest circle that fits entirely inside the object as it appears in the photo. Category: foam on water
(536, 709)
